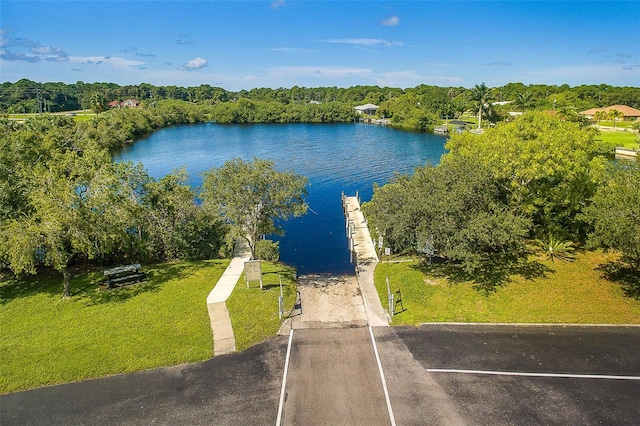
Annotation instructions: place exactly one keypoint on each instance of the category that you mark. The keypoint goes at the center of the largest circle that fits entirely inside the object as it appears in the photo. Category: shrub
(268, 250)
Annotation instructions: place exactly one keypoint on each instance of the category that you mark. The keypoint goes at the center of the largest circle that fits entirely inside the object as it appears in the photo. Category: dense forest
(417, 108)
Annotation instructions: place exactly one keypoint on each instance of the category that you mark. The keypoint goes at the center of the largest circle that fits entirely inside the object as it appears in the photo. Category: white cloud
(22, 49)
(290, 50)
(392, 21)
(277, 4)
(41, 50)
(114, 61)
(411, 78)
(194, 64)
(615, 74)
(316, 72)
(365, 42)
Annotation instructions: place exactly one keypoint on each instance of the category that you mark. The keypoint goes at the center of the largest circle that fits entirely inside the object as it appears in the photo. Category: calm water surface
(335, 158)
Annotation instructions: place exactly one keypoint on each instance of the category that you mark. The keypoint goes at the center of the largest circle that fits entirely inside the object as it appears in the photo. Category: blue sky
(246, 44)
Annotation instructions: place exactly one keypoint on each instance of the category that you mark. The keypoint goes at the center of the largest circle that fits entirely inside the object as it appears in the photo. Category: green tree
(600, 115)
(615, 115)
(481, 95)
(546, 169)
(615, 212)
(251, 196)
(98, 103)
(65, 215)
(174, 225)
(525, 100)
(457, 206)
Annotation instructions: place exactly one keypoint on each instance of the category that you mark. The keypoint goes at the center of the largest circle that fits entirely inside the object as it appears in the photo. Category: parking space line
(384, 382)
(525, 374)
(284, 380)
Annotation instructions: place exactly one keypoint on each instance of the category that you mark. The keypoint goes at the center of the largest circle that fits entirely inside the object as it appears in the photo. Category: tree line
(482, 208)
(414, 108)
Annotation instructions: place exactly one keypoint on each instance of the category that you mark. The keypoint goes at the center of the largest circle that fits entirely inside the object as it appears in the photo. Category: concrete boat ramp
(328, 301)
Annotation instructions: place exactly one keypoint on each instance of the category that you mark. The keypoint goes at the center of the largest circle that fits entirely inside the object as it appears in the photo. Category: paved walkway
(367, 259)
(223, 338)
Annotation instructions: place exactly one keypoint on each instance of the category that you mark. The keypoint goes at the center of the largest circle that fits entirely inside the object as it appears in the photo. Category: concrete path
(223, 338)
(367, 259)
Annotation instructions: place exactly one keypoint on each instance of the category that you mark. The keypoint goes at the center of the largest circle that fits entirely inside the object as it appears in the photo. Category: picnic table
(124, 274)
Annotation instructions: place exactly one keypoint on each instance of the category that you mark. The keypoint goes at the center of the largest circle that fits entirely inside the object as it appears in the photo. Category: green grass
(254, 312)
(83, 115)
(617, 124)
(625, 139)
(45, 340)
(569, 292)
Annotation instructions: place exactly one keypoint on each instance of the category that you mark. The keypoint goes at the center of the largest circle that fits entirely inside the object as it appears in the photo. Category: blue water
(335, 158)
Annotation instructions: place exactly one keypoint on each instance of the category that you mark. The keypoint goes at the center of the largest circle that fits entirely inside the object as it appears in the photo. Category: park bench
(124, 275)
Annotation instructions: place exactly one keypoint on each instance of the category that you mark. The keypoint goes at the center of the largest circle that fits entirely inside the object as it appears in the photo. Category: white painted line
(384, 382)
(531, 324)
(284, 380)
(516, 373)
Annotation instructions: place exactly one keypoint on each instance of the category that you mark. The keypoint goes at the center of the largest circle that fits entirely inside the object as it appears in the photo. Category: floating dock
(365, 259)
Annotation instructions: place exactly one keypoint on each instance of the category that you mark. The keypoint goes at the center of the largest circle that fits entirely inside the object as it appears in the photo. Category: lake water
(335, 158)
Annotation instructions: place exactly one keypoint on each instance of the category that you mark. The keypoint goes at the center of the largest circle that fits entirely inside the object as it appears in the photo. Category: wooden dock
(365, 259)
(626, 153)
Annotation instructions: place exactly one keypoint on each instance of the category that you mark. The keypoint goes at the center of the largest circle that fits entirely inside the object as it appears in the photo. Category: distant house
(129, 103)
(367, 109)
(628, 112)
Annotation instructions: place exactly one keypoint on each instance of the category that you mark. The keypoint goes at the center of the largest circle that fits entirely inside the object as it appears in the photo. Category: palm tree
(600, 115)
(481, 94)
(525, 100)
(98, 103)
(556, 249)
(615, 114)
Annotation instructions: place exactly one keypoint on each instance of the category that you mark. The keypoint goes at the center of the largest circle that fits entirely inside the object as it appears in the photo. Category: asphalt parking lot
(236, 389)
(504, 374)
(435, 374)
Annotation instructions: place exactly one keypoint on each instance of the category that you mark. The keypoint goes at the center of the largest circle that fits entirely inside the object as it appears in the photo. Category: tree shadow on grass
(625, 275)
(490, 275)
(47, 281)
(87, 283)
(271, 278)
(155, 277)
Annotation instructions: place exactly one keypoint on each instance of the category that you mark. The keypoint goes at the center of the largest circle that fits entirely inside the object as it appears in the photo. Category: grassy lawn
(625, 139)
(254, 312)
(569, 292)
(618, 124)
(82, 115)
(45, 340)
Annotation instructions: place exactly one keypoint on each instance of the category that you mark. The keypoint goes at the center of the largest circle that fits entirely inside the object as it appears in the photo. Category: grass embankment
(566, 292)
(625, 139)
(45, 340)
(254, 312)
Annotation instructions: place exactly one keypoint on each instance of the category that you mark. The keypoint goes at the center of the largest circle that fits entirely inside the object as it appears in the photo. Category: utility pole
(38, 100)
